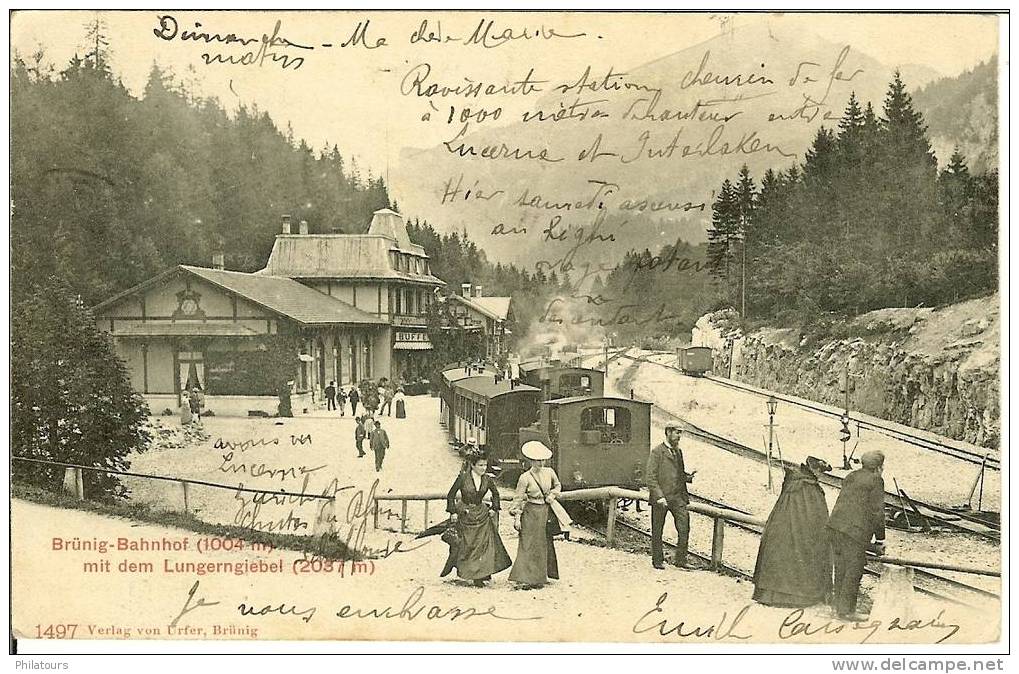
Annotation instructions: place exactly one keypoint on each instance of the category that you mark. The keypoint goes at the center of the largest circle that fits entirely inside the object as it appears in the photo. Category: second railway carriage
(596, 441)
(492, 410)
(558, 381)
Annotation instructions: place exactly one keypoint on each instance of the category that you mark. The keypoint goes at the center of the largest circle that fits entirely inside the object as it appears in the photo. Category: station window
(612, 422)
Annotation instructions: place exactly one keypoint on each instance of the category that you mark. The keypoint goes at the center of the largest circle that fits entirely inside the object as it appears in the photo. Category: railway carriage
(492, 410)
(451, 374)
(694, 360)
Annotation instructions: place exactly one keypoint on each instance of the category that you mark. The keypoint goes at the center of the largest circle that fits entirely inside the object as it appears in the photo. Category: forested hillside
(963, 111)
(110, 189)
(866, 222)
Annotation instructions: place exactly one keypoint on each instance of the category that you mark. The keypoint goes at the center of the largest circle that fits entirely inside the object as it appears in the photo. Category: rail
(183, 481)
(719, 518)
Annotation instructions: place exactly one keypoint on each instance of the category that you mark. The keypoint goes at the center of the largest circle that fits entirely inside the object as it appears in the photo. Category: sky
(351, 96)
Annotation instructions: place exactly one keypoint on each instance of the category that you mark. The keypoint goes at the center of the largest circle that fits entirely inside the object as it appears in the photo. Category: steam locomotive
(596, 440)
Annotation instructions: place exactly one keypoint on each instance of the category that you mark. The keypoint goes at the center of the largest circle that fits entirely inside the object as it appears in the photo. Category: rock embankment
(932, 369)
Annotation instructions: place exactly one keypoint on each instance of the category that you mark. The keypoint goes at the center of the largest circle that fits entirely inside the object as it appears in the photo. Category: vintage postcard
(630, 327)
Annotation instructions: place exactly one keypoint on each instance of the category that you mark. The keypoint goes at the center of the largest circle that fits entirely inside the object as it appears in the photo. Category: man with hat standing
(858, 516)
(666, 481)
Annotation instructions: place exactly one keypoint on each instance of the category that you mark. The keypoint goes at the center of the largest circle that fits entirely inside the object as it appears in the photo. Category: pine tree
(723, 233)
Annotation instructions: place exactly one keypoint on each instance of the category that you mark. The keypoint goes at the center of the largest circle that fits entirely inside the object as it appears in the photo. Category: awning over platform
(413, 346)
(181, 329)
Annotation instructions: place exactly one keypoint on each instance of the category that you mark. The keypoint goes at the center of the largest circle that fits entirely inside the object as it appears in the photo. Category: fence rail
(719, 517)
(183, 481)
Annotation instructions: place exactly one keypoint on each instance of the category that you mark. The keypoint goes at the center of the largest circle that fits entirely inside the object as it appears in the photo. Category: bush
(71, 400)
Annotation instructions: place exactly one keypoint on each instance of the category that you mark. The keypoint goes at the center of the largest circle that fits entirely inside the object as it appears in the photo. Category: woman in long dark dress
(537, 487)
(794, 565)
(481, 552)
(401, 405)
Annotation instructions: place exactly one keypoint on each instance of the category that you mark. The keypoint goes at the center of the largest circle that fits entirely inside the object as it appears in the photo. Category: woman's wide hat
(536, 451)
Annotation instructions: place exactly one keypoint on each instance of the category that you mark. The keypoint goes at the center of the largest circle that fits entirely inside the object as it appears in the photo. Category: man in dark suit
(666, 481)
(858, 516)
(379, 444)
(331, 396)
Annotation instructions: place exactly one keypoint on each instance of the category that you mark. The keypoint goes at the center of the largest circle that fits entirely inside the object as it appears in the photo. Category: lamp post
(772, 407)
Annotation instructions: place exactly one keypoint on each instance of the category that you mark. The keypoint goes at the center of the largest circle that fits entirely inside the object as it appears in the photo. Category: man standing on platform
(379, 444)
(331, 396)
(666, 481)
(359, 435)
(858, 516)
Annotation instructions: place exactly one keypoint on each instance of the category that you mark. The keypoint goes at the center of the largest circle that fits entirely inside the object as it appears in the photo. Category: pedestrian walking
(387, 395)
(341, 401)
(480, 553)
(379, 445)
(857, 518)
(359, 435)
(794, 567)
(666, 480)
(537, 489)
(354, 397)
(331, 396)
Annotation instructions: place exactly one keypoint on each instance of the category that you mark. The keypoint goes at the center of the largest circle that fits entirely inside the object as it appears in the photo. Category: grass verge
(322, 546)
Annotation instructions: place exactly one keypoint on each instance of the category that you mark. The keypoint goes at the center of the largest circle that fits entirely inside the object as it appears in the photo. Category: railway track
(932, 585)
(954, 451)
(944, 516)
(895, 431)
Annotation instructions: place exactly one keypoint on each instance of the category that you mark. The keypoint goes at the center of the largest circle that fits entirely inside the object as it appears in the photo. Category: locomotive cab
(595, 441)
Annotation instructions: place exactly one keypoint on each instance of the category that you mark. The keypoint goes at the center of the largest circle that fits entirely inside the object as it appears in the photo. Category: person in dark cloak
(794, 564)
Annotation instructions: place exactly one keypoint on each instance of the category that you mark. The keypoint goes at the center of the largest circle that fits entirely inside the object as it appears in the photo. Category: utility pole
(844, 433)
(772, 404)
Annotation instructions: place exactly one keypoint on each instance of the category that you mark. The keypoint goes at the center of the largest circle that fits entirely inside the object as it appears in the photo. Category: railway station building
(341, 307)
(491, 316)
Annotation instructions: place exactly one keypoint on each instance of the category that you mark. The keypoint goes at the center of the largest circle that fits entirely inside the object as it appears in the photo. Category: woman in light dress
(537, 488)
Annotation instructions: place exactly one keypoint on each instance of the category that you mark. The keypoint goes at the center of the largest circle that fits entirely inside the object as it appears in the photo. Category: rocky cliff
(932, 369)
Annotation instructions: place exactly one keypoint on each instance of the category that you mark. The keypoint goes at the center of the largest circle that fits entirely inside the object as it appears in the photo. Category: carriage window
(612, 422)
(585, 381)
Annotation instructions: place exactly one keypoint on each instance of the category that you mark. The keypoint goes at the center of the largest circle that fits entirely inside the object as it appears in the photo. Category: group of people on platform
(806, 556)
(372, 397)
(476, 548)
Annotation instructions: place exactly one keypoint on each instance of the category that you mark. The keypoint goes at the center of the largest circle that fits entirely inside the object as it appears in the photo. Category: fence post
(375, 517)
(426, 514)
(610, 527)
(403, 516)
(187, 505)
(79, 484)
(717, 538)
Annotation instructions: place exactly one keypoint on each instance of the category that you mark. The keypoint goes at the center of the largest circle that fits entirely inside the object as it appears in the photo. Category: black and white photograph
(661, 330)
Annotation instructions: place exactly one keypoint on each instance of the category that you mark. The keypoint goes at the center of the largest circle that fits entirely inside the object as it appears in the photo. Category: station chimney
(286, 224)
(218, 261)
(303, 227)
(477, 291)
(465, 290)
